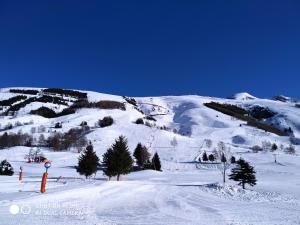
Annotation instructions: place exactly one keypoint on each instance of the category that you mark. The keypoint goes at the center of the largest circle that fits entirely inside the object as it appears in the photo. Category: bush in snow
(58, 125)
(141, 155)
(290, 149)
(83, 123)
(256, 148)
(117, 159)
(106, 121)
(139, 121)
(6, 169)
(243, 173)
(18, 124)
(88, 162)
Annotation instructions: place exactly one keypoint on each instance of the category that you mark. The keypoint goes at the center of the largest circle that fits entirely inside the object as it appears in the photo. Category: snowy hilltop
(57, 124)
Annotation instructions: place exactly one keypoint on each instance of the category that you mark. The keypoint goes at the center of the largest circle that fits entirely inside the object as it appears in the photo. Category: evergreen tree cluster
(142, 157)
(206, 158)
(117, 160)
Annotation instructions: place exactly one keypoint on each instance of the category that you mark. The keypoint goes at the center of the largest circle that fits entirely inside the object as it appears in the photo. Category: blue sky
(143, 48)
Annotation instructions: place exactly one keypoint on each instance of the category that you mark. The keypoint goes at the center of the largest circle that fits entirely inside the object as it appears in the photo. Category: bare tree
(221, 146)
(226, 160)
(41, 129)
(208, 143)
(42, 140)
(266, 145)
(33, 130)
(174, 142)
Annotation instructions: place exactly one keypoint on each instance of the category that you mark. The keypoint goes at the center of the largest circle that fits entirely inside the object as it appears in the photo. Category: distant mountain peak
(242, 96)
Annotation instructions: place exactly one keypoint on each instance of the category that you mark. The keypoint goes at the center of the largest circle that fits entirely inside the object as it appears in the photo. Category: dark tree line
(66, 92)
(50, 113)
(24, 91)
(12, 100)
(11, 139)
(104, 104)
(75, 138)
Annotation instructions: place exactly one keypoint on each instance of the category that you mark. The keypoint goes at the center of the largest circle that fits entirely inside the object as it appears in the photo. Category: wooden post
(43, 184)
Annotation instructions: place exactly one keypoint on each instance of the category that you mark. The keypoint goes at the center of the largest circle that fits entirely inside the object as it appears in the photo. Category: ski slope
(183, 193)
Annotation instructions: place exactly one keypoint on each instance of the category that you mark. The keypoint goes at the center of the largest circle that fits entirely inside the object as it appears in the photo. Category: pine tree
(117, 159)
(141, 155)
(232, 160)
(156, 165)
(6, 168)
(223, 158)
(88, 162)
(204, 157)
(274, 147)
(211, 158)
(243, 173)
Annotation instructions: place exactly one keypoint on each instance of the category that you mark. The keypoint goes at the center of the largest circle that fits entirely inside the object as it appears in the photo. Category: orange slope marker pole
(44, 180)
(21, 174)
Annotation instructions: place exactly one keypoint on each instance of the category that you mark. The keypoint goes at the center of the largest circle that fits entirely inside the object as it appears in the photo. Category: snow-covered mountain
(240, 122)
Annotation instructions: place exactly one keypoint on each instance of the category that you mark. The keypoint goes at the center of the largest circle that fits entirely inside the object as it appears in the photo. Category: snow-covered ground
(183, 193)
